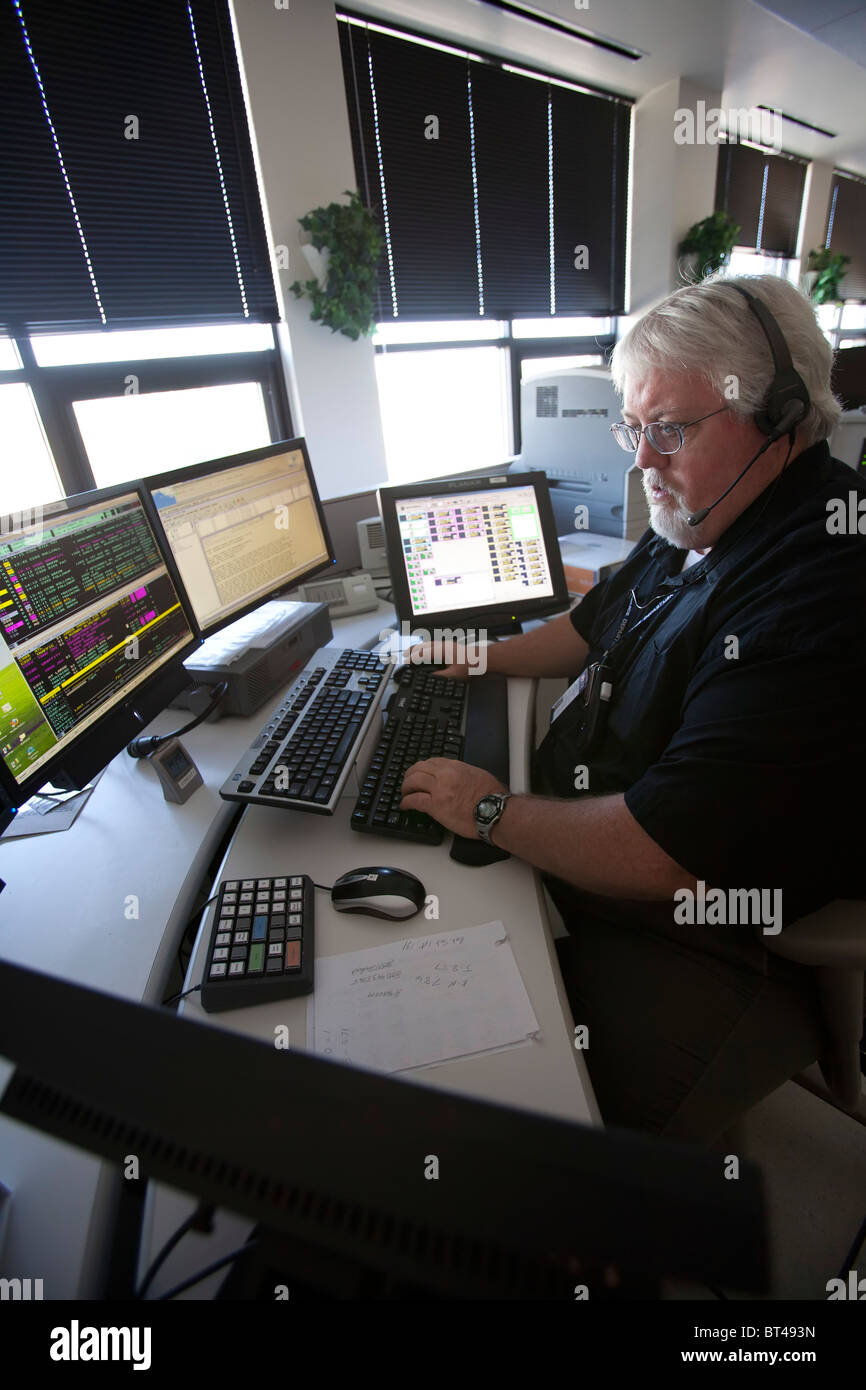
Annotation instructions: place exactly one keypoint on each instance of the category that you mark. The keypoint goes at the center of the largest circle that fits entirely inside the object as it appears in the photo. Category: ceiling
(839, 23)
(746, 51)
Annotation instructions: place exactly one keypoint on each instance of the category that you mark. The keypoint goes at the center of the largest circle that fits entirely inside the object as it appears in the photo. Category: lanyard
(645, 610)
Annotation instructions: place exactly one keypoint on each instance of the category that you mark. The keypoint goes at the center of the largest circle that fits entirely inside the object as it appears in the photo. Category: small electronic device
(94, 629)
(262, 944)
(346, 595)
(371, 543)
(473, 550)
(177, 773)
(242, 528)
(379, 892)
(257, 655)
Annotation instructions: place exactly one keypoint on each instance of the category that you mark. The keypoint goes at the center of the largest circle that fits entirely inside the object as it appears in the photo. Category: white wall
(673, 186)
(294, 78)
(653, 204)
(695, 166)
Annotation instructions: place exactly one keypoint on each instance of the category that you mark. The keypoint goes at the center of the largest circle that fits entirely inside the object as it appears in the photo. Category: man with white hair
(713, 748)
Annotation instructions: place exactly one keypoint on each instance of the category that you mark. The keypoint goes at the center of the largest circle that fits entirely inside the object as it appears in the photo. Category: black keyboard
(304, 754)
(432, 716)
(261, 945)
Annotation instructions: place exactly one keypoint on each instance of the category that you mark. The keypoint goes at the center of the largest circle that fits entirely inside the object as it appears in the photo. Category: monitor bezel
(82, 757)
(200, 470)
(497, 616)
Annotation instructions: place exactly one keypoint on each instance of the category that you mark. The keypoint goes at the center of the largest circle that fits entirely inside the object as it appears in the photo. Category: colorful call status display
(468, 550)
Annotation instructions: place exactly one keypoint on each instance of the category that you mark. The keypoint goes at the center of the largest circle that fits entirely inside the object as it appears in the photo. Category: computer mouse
(379, 892)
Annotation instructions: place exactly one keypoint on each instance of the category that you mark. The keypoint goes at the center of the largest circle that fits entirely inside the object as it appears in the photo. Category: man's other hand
(448, 791)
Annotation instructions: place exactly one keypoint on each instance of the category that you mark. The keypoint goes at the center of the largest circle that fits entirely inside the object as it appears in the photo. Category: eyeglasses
(664, 437)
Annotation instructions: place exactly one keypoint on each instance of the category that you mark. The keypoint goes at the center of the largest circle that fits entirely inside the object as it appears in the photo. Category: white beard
(669, 519)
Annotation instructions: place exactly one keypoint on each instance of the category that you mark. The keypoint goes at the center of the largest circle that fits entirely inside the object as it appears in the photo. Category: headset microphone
(697, 517)
(791, 414)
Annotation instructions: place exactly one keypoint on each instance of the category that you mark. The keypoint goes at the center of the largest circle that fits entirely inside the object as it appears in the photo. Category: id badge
(576, 688)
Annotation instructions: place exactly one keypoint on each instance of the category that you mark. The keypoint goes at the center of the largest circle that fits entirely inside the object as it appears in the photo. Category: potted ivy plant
(824, 271)
(344, 250)
(710, 243)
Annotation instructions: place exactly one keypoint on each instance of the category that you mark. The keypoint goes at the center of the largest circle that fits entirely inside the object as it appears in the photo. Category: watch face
(487, 808)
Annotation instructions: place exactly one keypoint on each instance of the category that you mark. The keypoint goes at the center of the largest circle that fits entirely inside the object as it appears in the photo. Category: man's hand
(425, 652)
(448, 791)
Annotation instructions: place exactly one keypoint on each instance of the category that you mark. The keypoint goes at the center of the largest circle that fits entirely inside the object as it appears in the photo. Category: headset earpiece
(787, 400)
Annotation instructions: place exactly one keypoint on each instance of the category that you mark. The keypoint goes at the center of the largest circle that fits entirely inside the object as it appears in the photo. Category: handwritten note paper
(420, 1000)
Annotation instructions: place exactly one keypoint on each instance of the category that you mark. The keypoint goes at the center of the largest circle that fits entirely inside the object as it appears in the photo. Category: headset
(786, 403)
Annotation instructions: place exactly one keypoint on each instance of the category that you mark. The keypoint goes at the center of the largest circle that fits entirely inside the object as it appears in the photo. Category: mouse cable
(143, 747)
(181, 994)
(210, 1269)
(191, 923)
(200, 1220)
(324, 887)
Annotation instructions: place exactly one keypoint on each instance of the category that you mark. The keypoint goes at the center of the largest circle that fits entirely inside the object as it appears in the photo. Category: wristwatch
(488, 812)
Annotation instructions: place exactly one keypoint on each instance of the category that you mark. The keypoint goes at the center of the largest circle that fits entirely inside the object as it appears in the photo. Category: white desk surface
(128, 843)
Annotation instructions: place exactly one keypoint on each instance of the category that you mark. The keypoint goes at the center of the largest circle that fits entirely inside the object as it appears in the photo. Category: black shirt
(737, 723)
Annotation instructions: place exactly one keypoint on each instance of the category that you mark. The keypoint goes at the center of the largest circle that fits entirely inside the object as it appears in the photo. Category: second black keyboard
(430, 716)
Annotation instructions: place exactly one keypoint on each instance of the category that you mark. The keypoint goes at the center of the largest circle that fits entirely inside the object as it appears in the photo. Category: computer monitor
(93, 631)
(330, 1158)
(473, 550)
(242, 528)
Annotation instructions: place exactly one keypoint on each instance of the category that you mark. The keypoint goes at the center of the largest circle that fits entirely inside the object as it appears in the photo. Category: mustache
(652, 479)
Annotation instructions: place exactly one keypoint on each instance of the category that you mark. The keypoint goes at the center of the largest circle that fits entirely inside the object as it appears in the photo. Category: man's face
(713, 453)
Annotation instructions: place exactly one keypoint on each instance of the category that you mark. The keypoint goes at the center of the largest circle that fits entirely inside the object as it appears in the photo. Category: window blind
(499, 194)
(764, 194)
(128, 195)
(846, 231)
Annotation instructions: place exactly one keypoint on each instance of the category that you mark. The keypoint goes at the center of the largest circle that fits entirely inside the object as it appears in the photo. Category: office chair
(833, 942)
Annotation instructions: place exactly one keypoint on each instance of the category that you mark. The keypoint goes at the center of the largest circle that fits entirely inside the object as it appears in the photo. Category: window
(763, 192)
(501, 193)
(444, 410)
(126, 152)
(103, 418)
(131, 436)
(137, 296)
(846, 221)
(449, 392)
(28, 477)
(744, 261)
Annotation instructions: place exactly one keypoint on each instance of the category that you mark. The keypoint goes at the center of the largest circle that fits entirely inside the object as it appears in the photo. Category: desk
(62, 1200)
